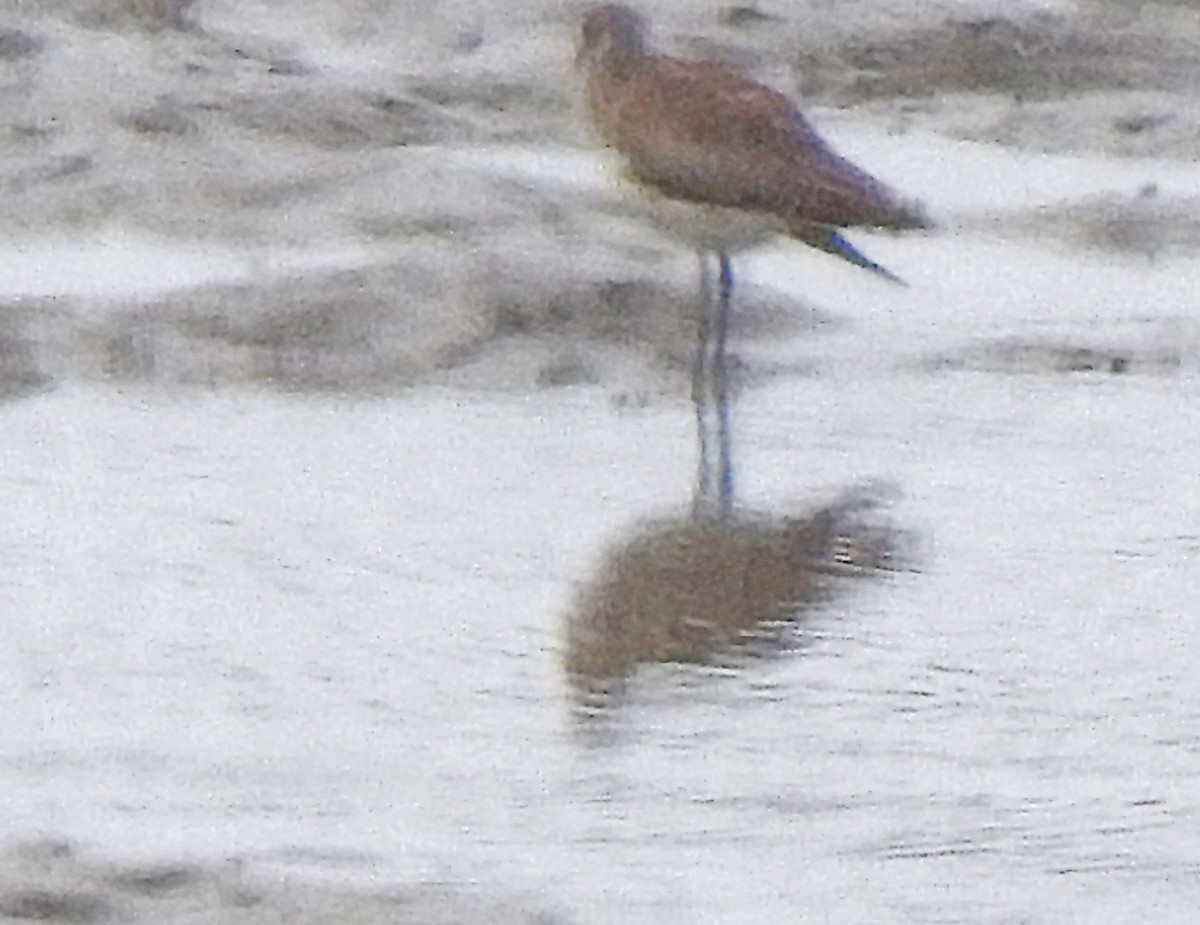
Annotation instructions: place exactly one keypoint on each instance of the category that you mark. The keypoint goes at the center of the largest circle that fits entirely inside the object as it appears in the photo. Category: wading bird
(724, 163)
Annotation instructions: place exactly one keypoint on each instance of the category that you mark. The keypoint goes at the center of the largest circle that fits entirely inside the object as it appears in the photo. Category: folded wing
(718, 137)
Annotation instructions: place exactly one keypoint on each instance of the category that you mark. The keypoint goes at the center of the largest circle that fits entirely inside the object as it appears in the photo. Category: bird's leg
(702, 391)
(720, 373)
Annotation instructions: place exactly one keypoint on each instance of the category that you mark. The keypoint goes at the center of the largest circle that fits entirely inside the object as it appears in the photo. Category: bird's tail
(829, 240)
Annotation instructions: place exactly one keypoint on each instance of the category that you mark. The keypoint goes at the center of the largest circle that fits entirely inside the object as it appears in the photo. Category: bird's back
(702, 131)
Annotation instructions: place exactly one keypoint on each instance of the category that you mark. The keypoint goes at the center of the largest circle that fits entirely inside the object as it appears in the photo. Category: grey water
(322, 635)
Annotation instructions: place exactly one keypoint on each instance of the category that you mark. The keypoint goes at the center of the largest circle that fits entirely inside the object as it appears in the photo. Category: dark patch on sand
(157, 881)
(145, 15)
(50, 881)
(1040, 80)
(15, 44)
(1021, 356)
(54, 906)
(1145, 223)
(430, 318)
(1039, 55)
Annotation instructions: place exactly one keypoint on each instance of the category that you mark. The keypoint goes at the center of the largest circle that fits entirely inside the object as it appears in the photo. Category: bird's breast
(700, 225)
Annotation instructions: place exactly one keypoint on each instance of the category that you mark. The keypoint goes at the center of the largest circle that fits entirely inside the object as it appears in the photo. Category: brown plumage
(701, 132)
(724, 162)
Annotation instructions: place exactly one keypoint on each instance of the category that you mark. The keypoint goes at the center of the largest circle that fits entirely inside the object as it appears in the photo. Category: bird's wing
(703, 131)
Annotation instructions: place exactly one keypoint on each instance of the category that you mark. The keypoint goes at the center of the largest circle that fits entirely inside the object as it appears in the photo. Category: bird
(723, 163)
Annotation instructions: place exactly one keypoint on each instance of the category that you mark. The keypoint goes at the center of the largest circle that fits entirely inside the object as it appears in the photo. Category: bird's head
(612, 33)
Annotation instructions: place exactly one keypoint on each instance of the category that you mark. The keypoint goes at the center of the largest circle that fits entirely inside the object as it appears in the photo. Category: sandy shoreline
(204, 126)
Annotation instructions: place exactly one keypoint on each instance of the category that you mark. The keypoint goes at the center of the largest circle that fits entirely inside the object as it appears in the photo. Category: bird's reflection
(701, 585)
(698, 587)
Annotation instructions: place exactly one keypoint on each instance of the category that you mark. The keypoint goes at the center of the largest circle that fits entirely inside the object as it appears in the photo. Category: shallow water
(323, 635)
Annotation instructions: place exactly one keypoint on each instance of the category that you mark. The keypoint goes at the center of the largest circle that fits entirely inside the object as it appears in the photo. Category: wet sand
(358, 189)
